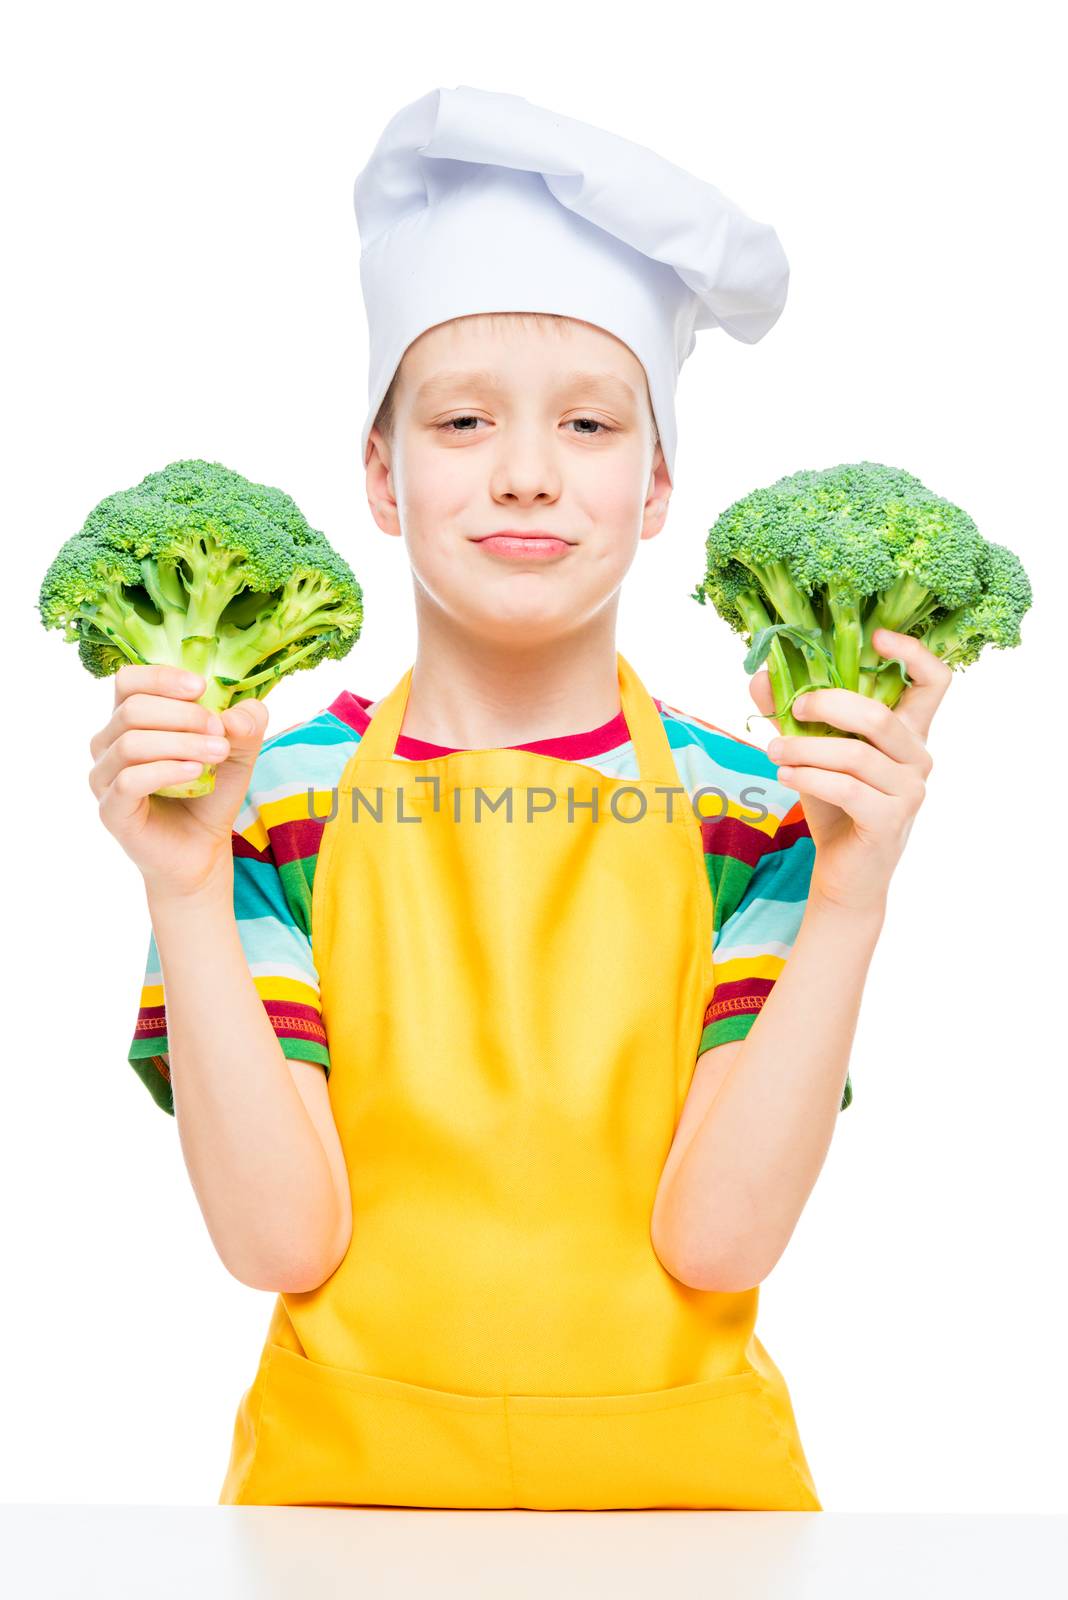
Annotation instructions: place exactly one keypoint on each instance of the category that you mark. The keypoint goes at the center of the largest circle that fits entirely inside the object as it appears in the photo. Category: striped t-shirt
(757, 847)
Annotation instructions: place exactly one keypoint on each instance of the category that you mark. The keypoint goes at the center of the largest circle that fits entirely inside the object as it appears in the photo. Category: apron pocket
(717, 1444)
(323, 1435)
(331, 1436)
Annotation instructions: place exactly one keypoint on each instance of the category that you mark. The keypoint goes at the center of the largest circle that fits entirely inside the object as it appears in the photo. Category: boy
(436, 1031)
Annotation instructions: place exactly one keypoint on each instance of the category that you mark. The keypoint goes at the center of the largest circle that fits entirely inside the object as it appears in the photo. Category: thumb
(245, 725)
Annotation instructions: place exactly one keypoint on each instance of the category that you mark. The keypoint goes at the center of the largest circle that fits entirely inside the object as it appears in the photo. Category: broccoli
(199, 568)
(810, 567)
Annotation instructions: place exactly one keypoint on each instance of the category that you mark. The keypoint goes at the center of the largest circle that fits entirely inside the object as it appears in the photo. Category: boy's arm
(725, 1209)
(256, 1137)
(737, 1177)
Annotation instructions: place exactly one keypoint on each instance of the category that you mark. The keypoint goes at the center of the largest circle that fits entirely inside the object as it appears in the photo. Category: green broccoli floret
(200, 568)
(993, 617)
(811, 566)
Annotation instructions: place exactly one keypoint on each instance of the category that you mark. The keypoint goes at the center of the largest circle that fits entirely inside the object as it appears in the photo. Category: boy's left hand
(860, 798)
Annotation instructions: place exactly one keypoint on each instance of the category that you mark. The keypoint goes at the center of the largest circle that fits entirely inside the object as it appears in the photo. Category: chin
(518, 626)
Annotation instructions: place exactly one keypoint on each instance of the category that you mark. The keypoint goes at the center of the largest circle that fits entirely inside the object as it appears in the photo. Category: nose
(525, 471)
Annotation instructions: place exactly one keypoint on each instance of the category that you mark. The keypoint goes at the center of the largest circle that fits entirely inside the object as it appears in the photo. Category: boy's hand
(182, 847)
(860, 798)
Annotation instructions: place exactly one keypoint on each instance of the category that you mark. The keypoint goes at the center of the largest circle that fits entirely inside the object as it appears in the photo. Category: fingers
(760, 689)
(159, 727)
(929, 673)
(155, 697)
(801, 753)
(154, 709)
(141, 746)
(887, 729)
(132, 679)
(125, 794)
(159, 734)
(870, 808)
(884, 728)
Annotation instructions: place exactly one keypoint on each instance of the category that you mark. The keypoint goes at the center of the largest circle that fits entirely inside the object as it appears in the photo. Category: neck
(473, 693)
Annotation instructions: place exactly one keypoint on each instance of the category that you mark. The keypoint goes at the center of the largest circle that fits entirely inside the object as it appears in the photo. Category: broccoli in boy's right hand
(199, 568)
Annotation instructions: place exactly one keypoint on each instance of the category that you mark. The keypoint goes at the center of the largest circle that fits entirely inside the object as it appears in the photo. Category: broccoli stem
(899, 608)
(754, 614)
(190, 608)
(164, 586)
(896, 606)
(218, 574)
(168, 594)
(944, 638)
(780, 588)
(888, 687)
(808, 668)
(122, 626)
(204, 783)
(847, 635)
(238, 690)
(291, 622)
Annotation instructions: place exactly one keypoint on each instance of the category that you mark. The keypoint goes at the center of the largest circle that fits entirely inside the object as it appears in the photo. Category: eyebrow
(593, 382)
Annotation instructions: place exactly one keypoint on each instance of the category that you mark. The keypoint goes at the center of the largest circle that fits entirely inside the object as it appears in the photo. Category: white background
(181, 279)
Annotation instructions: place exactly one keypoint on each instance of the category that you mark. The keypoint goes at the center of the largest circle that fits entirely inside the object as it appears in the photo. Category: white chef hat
(473, 201)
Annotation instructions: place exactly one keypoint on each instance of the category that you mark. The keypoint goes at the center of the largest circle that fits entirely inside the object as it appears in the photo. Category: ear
(380, 496)
(658, 498)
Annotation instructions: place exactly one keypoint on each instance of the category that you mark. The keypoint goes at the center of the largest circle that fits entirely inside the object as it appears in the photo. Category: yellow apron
(514, 1007)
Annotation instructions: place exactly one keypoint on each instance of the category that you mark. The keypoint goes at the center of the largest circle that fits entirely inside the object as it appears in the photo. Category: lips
(524, 546)
(523, 533)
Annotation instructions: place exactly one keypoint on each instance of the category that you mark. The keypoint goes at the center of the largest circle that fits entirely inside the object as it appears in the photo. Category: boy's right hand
(158, 727)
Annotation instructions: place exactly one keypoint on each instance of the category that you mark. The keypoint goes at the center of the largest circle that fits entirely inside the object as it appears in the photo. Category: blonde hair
(499, 322)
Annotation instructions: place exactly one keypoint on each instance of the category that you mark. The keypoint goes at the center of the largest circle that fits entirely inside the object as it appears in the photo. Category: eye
(597, 424)
(447, 424)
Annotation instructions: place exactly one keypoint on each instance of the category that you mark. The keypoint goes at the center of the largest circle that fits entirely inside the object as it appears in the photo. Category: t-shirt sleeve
(276, 937)
(760, 888)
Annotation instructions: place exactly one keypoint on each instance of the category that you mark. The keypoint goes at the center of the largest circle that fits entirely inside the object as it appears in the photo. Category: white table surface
(88, 1552)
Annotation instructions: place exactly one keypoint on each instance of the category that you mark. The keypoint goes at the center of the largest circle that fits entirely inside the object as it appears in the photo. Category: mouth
(534, 546)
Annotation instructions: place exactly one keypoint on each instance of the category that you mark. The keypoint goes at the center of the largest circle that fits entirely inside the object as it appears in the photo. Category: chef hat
(473, 201)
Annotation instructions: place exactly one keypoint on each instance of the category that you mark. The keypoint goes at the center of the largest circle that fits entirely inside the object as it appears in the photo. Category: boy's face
(528, 445)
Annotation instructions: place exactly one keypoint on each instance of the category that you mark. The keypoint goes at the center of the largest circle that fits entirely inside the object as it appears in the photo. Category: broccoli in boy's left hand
(860, 791)
(200, 568)
(811, 566)
(863, 590)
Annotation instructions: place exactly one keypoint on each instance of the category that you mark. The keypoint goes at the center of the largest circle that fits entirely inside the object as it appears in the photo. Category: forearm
(752, 1163)
(255, 1159)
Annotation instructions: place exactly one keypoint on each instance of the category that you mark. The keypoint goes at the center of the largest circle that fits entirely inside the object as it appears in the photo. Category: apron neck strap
(651, 746)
